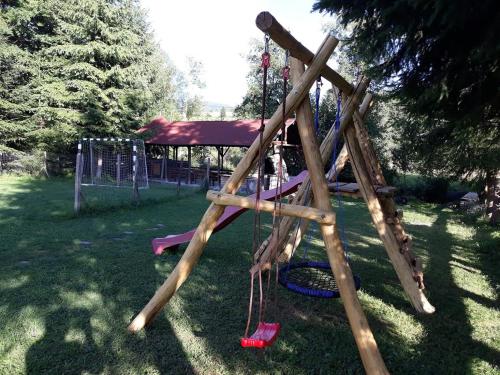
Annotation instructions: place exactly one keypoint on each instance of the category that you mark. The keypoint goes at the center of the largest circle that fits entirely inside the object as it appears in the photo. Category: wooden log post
(78, 179)
(135, 171)
(309, 213)
(403, 269)
(387, 204)
(294, 240)
(209, 220)
(118, 169)
(208, 171)
(367, 346)
(218, 166)
(163, 162)
(189, 166)
(99, 165)
(91, 161)
(166, 163)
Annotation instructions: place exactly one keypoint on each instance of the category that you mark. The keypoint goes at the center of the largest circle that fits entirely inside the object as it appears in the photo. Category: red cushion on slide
(264, 336)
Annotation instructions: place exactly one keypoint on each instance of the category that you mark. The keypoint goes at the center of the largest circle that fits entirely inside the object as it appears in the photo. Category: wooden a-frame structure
(357, 149)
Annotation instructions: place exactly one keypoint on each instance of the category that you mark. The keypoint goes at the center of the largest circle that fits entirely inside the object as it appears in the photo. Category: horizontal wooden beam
(222, 199)
(268, 24)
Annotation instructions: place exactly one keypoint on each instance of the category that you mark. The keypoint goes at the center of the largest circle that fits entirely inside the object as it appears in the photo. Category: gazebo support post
(163, 162)
(167, 151)
(218, 165)
(189, 166)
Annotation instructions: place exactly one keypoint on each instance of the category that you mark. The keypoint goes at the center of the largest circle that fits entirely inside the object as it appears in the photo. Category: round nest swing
(313, 279)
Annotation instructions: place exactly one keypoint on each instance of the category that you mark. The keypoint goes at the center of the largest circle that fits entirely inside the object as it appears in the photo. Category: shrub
(435, 189)
(22, 163)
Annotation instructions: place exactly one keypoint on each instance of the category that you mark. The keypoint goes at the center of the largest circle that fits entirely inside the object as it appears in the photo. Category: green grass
(65, 305)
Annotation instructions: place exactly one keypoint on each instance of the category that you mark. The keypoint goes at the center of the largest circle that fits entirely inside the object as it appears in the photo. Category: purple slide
(230, 213)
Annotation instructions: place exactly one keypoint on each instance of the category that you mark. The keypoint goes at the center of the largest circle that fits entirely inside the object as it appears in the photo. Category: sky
(218, 34)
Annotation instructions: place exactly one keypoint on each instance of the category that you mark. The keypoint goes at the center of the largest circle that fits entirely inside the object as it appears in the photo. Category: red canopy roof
(239, 133)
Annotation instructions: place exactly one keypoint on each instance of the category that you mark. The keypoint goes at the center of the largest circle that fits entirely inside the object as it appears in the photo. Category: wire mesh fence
(110, 163)
(113, 162)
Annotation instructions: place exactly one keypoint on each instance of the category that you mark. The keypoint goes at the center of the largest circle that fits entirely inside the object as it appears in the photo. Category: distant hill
(216, 107)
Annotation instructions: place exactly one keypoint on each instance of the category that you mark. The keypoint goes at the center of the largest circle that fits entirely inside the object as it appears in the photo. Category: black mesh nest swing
(311, 278)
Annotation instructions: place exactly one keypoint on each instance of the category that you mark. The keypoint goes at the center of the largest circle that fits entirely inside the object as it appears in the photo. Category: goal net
(110, 163)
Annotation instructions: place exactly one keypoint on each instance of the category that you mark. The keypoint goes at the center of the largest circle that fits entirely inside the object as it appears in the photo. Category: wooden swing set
(314, 190)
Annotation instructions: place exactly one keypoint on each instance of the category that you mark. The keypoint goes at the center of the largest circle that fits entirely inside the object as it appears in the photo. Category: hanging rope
(266, 63)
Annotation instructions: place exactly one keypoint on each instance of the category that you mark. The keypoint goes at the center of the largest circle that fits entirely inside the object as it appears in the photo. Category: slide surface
(230, 214)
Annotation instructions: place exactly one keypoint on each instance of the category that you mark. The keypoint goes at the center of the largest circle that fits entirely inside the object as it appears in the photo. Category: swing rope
(266, 333)
(266, 62)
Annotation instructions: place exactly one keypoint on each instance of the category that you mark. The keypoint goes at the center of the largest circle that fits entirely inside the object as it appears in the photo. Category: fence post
(135, 187)
(91, 157)
(78, 179)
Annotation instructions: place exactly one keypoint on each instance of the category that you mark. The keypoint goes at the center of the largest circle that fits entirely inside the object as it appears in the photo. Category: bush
(435, 189)
(427, 189)
(22, 163)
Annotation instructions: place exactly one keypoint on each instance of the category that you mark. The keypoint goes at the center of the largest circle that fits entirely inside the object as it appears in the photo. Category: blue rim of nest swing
(312, 278)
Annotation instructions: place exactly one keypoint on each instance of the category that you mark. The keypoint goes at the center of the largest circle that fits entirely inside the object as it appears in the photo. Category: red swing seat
(264, 336)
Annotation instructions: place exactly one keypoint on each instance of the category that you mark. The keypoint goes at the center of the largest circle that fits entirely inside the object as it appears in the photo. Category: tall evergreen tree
(440, 60)
(71, 69)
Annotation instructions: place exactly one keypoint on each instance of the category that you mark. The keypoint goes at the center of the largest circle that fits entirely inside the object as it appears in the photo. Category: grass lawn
(70, 285)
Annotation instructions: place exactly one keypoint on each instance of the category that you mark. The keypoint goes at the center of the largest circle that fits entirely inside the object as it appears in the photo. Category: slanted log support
(370, 355)
(403, 269)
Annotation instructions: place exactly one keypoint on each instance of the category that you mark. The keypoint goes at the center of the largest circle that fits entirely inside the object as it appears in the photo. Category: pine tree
(86, 68)
(439, 60)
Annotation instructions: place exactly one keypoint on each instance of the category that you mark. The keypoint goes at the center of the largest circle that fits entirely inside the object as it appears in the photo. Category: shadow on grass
(449, 330)
(68, 304)
(65, 303)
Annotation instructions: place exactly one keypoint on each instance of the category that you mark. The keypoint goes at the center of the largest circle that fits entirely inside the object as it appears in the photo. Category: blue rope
(340, 218)
(316, 113)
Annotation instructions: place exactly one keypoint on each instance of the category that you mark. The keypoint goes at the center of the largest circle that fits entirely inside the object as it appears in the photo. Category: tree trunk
(493, 197)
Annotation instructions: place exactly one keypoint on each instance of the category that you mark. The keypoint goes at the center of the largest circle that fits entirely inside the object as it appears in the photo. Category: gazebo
(169, 137)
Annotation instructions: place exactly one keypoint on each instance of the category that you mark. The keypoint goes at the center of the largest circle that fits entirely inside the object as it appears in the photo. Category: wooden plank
(282, 209)
(367, 346)
(403, 270)
(209, 220)
(353, 188)
(385, 190)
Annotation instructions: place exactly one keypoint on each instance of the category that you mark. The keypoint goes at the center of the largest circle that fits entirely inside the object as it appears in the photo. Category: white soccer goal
(110, 163)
